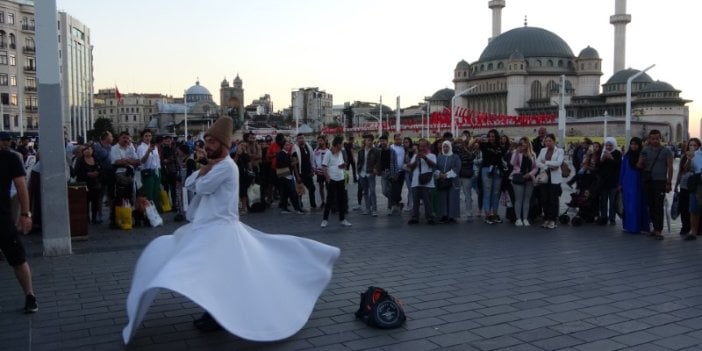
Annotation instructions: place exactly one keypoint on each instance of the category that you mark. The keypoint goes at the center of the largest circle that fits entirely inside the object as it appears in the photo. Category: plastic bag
(165, 202)
(123, 216)
(152, 214)
(253, 193)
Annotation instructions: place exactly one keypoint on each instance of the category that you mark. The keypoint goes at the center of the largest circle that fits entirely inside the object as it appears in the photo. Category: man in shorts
(12, 172)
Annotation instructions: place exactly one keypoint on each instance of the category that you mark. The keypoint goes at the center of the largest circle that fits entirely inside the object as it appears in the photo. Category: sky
(359, 50)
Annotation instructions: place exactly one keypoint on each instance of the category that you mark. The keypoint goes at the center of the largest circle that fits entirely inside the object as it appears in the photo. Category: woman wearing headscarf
(448, 165)
(636, 219)
(609, 167)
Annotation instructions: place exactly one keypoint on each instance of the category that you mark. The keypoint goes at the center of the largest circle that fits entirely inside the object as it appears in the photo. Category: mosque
(519, 74)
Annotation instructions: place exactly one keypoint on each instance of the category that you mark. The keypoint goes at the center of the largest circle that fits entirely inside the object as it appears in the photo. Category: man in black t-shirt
(12, 172)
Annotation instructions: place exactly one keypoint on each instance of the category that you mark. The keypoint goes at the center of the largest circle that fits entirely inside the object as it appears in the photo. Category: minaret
(496, 7)
(619, 20)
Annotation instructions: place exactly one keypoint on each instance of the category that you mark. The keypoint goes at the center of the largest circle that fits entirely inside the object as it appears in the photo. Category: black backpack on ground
(379, 309)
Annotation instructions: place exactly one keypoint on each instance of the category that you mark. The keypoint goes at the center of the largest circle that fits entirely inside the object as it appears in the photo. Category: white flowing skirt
(258, 286)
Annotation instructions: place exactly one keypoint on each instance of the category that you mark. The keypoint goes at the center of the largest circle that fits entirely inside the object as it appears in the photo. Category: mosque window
(464, 74)
(549, 63)
(500, 65)
(489, 67)
(536, 90)
(539, 63)
(482, 68)
(560, 63)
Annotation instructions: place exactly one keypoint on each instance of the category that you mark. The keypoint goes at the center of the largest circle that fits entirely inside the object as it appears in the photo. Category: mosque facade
(521, 71)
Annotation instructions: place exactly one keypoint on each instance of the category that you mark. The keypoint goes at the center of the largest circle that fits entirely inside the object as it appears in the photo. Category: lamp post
(605, 126)
(627, 125)
(380, 119)
(453, 108)
(562, 111)
(185, 119)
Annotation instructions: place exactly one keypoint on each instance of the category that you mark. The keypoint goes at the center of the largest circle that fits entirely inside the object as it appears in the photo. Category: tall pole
(428, 118)
(627, 123)
(185, 119)
(453, 108)
(397, 119)
(56, 236)
(605, 127)
(380, 119)
(562, 111)
(21, 117)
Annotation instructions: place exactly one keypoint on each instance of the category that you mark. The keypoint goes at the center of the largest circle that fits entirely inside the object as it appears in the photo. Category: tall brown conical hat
(222, 130)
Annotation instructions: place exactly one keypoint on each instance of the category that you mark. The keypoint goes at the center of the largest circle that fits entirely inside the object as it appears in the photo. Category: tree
(100, 126)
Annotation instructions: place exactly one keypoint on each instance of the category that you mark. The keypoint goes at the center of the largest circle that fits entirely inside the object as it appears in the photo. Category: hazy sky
(361, 49)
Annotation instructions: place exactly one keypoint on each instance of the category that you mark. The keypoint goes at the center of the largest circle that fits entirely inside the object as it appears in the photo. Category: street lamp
(628, 102)
(453, 108)
(185, 119)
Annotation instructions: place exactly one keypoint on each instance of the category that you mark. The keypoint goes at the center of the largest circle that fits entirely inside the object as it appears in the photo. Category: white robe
(258, 286)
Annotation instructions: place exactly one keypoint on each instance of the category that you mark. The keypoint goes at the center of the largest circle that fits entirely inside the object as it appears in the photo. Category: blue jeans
(367, 185)
(491, 190)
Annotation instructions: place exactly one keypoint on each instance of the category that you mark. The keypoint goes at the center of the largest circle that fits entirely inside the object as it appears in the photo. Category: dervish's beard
(213, 154)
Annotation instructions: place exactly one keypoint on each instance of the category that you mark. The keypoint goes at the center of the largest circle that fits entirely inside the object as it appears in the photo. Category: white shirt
(153, 161)
(399, 155)
(332, 162)
(425, 169)
(117, 152)
(216, 195)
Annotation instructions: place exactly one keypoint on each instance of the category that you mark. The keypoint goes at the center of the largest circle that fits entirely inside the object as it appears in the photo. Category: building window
(31, 82)
(13, 41)
(13, 81)
(10, 18)
(2, 17)
(13, 60)
(13, 100)
(3, 79)
(126, 118)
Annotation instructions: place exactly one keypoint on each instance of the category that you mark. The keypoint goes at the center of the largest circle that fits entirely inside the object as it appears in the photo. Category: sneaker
(30, 304)
(356, 208)
(413, 221)
(324, 224)
(365, 212)
(374, 213)
(551, 225)
(285, 211)
(489, 220)
(300, 212)
(345, 223)
(526, 222)
(519, 223)
(496, 219)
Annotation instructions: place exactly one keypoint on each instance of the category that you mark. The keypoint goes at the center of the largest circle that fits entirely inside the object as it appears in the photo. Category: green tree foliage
(101, 125)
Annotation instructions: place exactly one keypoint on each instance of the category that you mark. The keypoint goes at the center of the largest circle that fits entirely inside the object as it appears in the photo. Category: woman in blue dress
(636, 219)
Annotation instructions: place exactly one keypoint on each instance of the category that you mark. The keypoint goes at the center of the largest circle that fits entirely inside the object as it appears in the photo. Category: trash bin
(78, 210)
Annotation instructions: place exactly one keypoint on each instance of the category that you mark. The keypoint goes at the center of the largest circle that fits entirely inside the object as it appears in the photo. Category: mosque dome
(463, 65)
(589, 53)
(530, 41)
(197, 89)
(658, 87)
(443, 95)
(516, 55)
(622, 76)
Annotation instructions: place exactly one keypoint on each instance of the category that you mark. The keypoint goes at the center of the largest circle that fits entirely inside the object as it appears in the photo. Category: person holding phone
(334, 165)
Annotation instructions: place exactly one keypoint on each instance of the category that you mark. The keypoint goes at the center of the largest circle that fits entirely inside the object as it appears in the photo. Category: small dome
(225, 83)
(622, 76)
(589, 53)
(443, 95)
(463, 65)
(516, 55)
(197, 89)
(530, 41)
(657, 87)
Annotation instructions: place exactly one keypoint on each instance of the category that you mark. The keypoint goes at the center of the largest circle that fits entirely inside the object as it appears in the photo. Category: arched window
(3, 39)
(549, 63)
(536, 92)
(490, 66)
(539, 63)
(500, 65)
(13, 45)
(552, 87)
(560, 63)
(482, 68)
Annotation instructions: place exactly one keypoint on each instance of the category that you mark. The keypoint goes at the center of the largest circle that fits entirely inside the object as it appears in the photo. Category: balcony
(28, 27)
(29, 69)
(31, 109)
(30, 89)
(29, 49)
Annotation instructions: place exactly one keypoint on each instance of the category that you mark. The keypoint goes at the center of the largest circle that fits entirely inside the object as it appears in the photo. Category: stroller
(585, 203)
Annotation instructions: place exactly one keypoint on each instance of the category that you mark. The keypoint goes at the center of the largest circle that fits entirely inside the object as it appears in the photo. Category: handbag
(565, 170)
(675, 207)
(282, 172)
(152, 214)
(541, 178)
(518, 179)
(692, 182)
